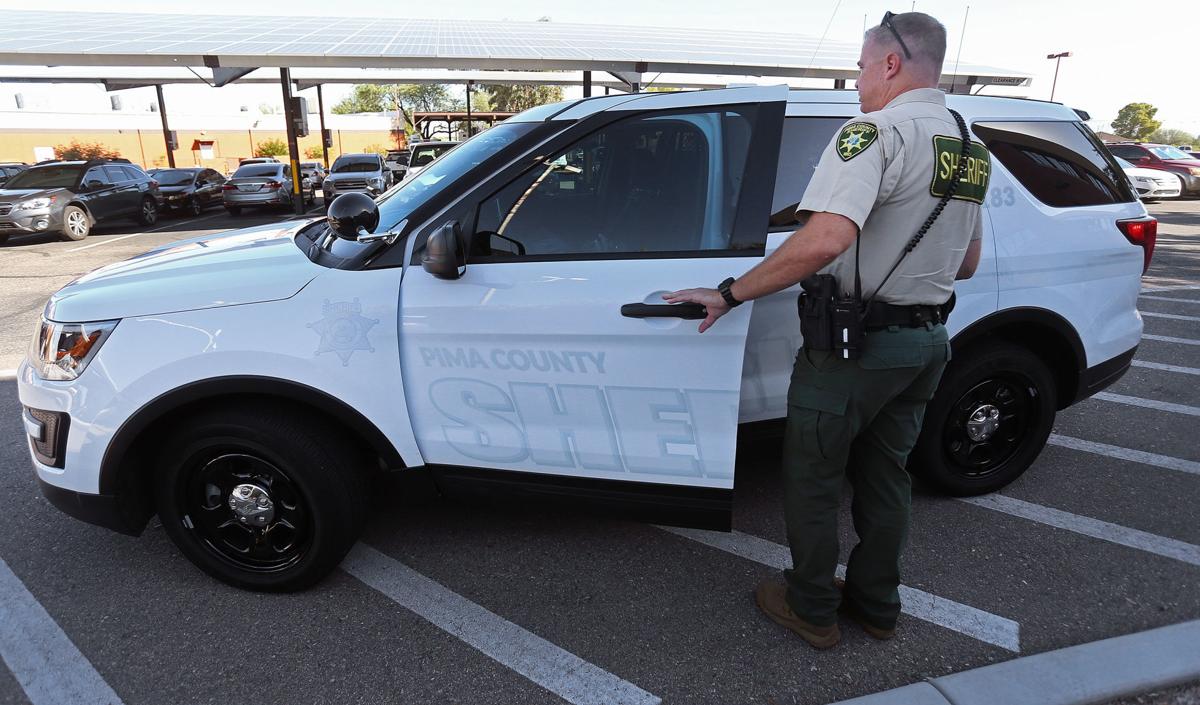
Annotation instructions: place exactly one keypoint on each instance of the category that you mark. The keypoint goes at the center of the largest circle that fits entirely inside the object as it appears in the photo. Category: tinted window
(1061, 163)
(135, 173)
(116, 174)
(663, 183)
(173, 177)
(804, 139)
(345, 165)
(96, 173)
(40, 177)
(258, 170)
(426, 153)
(1127, 151)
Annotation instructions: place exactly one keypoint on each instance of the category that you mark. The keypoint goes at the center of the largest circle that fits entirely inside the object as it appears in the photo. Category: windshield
(428, 152)
(1169, 153)
(173, 177)
(1124, 164)
(355, 164)
(40, 177)
(400, 202)
(258, 170)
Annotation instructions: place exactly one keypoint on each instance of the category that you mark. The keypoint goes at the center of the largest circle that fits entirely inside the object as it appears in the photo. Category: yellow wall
(146, 147)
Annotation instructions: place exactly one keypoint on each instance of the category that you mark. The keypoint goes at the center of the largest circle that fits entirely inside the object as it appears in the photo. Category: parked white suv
(498, 319)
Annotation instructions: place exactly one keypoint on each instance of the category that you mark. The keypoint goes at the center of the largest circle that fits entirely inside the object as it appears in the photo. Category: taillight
(229, 187)
(273, 185)
(1142, 232)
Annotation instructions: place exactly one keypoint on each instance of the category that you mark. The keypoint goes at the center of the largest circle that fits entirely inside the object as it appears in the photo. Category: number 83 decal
(1001, 196)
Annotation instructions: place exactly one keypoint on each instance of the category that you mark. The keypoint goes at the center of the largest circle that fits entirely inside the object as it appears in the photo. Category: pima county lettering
(947, 151)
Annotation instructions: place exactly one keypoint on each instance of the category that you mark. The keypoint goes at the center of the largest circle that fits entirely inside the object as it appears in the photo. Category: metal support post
(285, 78)
(162, 113)
(468, 110)
(839, 84)
(587, 84)
(321, 108)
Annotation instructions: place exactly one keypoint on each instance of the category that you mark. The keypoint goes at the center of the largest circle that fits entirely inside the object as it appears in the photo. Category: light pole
(1057, 60)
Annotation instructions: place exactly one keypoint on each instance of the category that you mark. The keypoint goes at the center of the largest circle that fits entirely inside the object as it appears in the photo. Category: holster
(828, 320)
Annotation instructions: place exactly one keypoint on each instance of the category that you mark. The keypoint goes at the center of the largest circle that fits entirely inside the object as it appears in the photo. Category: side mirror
(352, 215)
(445, 254)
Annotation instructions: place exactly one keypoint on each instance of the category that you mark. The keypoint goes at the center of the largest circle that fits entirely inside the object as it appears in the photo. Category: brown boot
(771, 599)
(847, 609)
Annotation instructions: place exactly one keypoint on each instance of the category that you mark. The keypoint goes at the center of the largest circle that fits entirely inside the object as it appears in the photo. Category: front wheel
(988, 422)
(260, 498)
(148, 213)
(194, 207)
(76, 223)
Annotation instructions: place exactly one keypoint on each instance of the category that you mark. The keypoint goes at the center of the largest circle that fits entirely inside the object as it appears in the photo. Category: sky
(1118, 55)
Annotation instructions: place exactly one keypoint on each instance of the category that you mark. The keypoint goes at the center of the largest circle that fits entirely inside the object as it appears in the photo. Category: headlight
(35, 203)
(61, 351)
(376, 182)
(1194, 170)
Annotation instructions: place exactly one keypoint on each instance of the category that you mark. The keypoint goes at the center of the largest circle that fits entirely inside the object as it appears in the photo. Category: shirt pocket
(819, 417)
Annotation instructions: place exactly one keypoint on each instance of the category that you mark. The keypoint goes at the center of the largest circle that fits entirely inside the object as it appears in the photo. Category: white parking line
(1136, 456)
(553, 668)
(8, 375)
(1113, 533)
(40, 655)
(1149, 403)
(1169, 339)
(1168, 298)
(173, 224)
(1181, 287)
(1166, 368)
(1172, 316)
(955, 616)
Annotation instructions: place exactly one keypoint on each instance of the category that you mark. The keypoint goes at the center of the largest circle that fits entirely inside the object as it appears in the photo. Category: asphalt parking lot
(450, 602)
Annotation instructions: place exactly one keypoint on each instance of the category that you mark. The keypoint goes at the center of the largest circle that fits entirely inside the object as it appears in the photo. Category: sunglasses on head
(887, 22)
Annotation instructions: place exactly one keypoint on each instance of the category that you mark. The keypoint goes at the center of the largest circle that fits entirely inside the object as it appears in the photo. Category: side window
(132, 173)
(96, 176)
(804, 139)
(657, 183)
(1061, 163)
(116, 174)
(1127, 152)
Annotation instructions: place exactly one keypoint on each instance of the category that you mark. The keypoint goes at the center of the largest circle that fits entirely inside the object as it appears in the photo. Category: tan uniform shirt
(886, 171)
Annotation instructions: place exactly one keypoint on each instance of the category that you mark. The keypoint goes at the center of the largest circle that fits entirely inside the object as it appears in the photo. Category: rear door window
(117, 175)
(1061, 163)
(804, 139)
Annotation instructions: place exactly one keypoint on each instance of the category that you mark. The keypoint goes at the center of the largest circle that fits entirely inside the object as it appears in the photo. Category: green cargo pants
(857, 419)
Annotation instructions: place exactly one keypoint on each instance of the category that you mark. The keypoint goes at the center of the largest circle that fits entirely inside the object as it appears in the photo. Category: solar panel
(63, 38)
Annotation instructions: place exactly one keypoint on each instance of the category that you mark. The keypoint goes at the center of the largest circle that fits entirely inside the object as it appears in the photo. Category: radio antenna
(954, 81)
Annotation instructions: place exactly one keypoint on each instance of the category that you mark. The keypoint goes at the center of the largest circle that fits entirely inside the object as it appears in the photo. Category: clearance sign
(947, 151)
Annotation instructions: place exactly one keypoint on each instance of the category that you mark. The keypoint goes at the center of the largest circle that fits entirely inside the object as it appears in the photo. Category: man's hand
(710, 299)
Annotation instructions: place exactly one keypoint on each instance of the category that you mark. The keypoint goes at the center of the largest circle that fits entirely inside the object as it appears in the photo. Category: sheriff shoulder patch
(854, 138)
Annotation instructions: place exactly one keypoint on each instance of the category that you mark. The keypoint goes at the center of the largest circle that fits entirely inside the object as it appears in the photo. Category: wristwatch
(725, 288)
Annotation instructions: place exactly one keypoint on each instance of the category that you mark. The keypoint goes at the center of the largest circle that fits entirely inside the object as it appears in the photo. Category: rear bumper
(1096, 378)
(265, 198)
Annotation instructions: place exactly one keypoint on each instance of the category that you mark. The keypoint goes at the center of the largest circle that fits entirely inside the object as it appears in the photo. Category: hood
(1193, 163)
(1156, 174)
(240, 267)
(9, 195)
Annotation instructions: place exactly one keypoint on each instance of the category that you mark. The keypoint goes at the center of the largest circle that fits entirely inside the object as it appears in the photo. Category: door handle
(691, 312)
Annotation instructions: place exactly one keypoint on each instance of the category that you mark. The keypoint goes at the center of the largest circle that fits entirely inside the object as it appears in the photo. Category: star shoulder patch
(854, 139)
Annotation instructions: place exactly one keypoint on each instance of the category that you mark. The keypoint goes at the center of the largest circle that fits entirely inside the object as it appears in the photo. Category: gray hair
(924, 36)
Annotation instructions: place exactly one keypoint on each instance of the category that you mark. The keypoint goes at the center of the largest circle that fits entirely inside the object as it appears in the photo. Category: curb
(1088, 673)
(8, 375)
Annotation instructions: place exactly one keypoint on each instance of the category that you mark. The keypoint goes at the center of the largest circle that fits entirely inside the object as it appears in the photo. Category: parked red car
(1164, 157)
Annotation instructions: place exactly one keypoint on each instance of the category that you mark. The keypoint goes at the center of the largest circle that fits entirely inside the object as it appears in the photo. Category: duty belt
(883, 315)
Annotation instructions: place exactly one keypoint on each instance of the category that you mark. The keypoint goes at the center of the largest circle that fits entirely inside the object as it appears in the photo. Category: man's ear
(892, 67)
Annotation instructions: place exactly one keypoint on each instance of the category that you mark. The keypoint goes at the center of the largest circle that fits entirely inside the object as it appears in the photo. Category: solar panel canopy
(150, 39)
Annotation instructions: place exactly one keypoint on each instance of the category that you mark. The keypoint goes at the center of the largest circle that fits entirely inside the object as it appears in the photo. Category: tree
(271, 148)
(517, 98)
(314, 152)
(370, 98)
(375, 149)
(85, 150)
(1136, 121)
(1173, 136)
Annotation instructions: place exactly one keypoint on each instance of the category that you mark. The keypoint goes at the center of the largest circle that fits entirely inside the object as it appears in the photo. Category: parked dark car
(70, 197)
(189, 190)
(10, 169)
(1165, 158)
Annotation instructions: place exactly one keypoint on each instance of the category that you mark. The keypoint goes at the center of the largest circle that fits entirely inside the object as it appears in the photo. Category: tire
(311, 477)
(233, 210)
(147, 212)
(962, 458)
(194, 207)
(76, 223)
(4, 237)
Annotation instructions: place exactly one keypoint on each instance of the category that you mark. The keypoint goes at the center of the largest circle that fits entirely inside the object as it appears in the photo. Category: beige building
(216, 141)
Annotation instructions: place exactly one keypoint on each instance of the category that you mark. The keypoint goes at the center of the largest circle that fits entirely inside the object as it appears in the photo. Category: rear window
(1061, 163)
(257, 170)
(804, 139)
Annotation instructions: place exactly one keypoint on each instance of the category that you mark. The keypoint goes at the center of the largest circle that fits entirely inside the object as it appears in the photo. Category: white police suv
(498, 319)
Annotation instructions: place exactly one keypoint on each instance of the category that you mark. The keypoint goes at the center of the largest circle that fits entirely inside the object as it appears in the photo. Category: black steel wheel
(194, 206)
(987, 422)
(147, 212)
(260, 497)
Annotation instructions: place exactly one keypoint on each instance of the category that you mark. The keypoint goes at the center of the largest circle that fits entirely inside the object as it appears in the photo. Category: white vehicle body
(1152, 183)
(529, 369)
